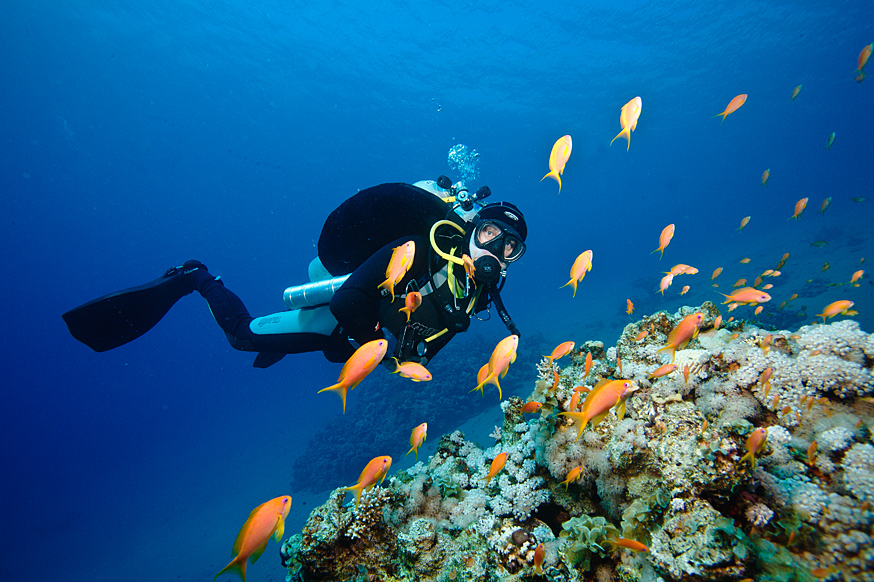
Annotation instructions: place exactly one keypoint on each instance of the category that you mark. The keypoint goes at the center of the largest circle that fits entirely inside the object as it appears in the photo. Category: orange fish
(765, 344)
(799, 208)
(411, 303)
(766, 175)
(793, 297)
(374, 472)
(560, 351)
(572, 476)
(824, 206)
(744, 221)
(746, 296)
(357, 367)
(826, 267)
(588, 365)
(665, 239)
(683, 333)
(412, 370)
(863, 58)
(630, 309)
(744, 260)
(503, 355)
(665, 283)
(686, 373)
(716, 273)
(531, 407)
(733, 106)
(619, 365)
(758, 310)
(581, 266)
(765, 377)
(856, 276)
(641, 335)
(755, 442)
(681, 269)
(633, 545)
(266, 521)
(662, 371)
(835, 308)
(420, 433)
(497, 465)
(400, 262)
(718, 323)
(795, 92)
(628, 119)
(685, 290)
(740, 283)
(811, 452)
(539, 554)
(575, 399)
(732, 307)
(604, 396)
(768, 286)
(561, 151)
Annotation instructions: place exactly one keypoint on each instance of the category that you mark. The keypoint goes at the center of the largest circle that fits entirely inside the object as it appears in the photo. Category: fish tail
(407, 311)
(748, 457)
(236, 566)
(571, 282)
(387, 284)
(662, 249)
(357, 489)
(340, 389)
(554, 175)
(626, 132)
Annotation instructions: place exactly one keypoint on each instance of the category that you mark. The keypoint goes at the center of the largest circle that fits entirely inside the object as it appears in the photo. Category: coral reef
(668, 475)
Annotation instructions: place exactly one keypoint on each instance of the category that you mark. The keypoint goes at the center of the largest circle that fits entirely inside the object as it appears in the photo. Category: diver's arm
(356, 303)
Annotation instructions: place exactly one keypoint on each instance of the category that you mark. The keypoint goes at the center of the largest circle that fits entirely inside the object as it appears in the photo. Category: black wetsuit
(363, 310)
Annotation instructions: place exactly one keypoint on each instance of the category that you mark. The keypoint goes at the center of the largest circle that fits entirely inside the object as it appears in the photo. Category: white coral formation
(759, 514)
(778, 435)
(835, 439)
(858, 465)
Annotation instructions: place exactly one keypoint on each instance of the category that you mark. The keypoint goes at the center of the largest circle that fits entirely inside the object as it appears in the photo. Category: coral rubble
(669, 475)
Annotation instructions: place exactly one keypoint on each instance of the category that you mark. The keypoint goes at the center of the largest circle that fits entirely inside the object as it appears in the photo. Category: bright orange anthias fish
(411, 303)
(863, 60)
(630, 309)
(628, 119)
(795, 92)
(497, 464)
(539, 554)
(400, 262)
(744, 221)
(357, 367)
(532, 407)
(588, 365)
(683, 333)
(604, 396)
(733, 106)
(560, 351)
(633, 545)
(755, 442)
(420, 433)
(503, 355)
(662, 371)
(746, 296)
(836, 308)
(581, 266)
(665, 239)
(412, 370)
(266, 521)
(561, 151)
(766, 175)
(374, 472)
(572, 476)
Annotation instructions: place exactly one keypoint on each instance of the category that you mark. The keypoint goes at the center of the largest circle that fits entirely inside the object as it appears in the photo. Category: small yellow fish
(560, 351)
(755, 442)
(400, 262)
(662, 371)
(503, 355)
(831, 140)
(572, 476)
(581, 266)
(733, 106)
(604, 396)
(799, 208)
(628, 119)
(744, 221)
(561, 152)
(497, 464)
(665, 239)
(836, 308)
(420, 433)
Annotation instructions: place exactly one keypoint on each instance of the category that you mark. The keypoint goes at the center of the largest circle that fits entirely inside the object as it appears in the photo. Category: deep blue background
(138, 135)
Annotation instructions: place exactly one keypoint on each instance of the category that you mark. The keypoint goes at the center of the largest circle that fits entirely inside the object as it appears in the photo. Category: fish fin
(387, 284)
(407, 311)
(280, 529)
(258, 551)
(623, 132)
(555, 176)
(620, 410)
(340, 389)
(571, 282)
(357, 489)
(597, 419)
(235, 567)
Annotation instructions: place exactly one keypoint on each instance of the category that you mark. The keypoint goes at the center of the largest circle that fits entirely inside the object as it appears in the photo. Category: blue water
(138, 135)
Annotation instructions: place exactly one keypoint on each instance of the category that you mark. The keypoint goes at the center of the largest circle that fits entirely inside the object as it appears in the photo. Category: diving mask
(499, 239)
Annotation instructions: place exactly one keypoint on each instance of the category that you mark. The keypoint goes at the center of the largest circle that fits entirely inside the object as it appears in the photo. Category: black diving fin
(118, 318)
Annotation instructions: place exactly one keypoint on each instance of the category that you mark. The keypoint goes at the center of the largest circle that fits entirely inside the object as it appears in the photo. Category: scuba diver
(344, 303)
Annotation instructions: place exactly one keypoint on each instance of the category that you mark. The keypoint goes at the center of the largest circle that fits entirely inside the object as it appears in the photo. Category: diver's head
(496, 237)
